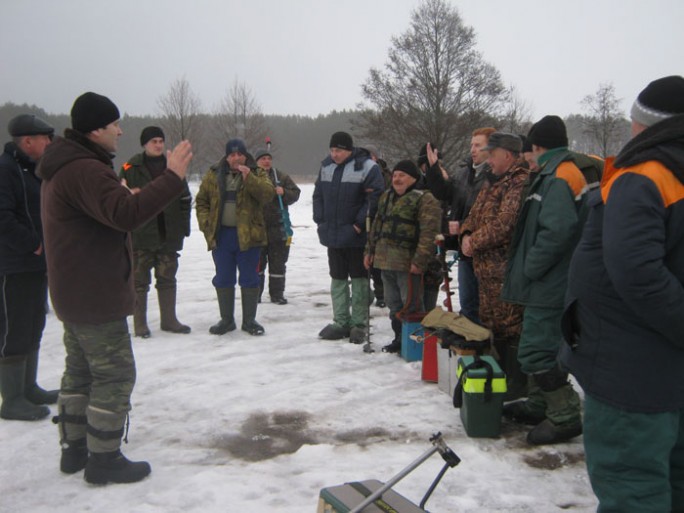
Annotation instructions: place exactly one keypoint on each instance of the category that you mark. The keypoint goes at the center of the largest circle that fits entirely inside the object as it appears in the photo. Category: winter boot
(15, 406)
(339, 292)
(276, 289)
(262, 283)
(140, 328)
(226, 301)
(250, 297)
(32, 391)
(167, 310)
(361, 299)
(72, 432)
(531, 411)
(395, 345)
(516, 380)
(563, 420)
(105, 463)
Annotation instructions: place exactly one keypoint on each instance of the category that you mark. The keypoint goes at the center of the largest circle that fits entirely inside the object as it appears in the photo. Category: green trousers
(635, 460)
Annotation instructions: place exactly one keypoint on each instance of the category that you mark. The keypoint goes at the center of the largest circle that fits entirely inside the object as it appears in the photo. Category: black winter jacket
(21, 231)
(625, 306)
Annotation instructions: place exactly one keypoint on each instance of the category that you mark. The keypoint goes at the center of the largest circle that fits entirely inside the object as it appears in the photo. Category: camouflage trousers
(99, 364)
(165, 265)
(504, 319)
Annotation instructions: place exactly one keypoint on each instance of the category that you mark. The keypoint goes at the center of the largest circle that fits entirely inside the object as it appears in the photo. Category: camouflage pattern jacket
(253, 193)
(492, 219)
(404, 231)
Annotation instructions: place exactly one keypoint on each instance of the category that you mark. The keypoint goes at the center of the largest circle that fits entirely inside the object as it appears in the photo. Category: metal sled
(378, 497)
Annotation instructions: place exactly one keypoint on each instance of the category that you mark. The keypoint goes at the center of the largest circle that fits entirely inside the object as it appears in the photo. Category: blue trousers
(468, 290)
(228, 259)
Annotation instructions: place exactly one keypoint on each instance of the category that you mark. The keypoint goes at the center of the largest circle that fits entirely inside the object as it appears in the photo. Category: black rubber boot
(15, 406)
(72, 422)
(250, 297)
(140, 328)
(32, 391)
(74, 456)
(226, 301)
(114, 467)
(167, 310)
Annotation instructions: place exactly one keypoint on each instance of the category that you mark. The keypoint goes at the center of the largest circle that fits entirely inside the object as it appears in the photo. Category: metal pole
(401, 475)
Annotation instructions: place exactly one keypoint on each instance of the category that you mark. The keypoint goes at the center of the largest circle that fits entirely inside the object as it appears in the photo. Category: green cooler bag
(479, 394)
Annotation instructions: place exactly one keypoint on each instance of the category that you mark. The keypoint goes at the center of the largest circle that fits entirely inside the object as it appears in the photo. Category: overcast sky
(311, 56)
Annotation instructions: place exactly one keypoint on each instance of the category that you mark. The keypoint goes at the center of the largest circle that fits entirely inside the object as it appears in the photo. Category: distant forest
(299, 143)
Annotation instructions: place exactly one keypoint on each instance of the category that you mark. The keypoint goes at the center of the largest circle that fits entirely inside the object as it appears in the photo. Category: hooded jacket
(625, 304)
(21, 231)
(87, 216)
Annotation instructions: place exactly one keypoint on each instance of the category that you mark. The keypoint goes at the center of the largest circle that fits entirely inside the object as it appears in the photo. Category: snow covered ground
(259, 424)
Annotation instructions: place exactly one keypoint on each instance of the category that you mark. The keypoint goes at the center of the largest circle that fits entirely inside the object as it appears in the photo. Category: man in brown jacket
(486, 236)
(87, 216)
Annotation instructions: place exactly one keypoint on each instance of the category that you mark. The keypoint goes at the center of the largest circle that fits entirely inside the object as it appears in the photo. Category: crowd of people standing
(573, 266)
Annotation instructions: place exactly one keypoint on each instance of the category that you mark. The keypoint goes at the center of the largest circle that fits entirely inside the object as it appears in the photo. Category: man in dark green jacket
(156, 244)
(547, 231)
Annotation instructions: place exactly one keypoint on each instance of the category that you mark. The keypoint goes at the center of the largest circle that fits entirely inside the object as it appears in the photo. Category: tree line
(434, 87)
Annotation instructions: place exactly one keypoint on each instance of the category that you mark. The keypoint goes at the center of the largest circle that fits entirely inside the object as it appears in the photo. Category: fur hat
(236, 145)
(92, 111)
(342, 140)
(149, 133)
(660, 100)
(549, 132)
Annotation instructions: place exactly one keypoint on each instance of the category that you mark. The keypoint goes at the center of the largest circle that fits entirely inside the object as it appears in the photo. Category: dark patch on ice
(367, 436)
(319, 305)
(266, 436)
(552, 460)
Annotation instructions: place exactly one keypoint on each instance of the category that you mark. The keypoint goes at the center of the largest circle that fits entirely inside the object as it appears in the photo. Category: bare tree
(180, 108)
(516, 118)
(239, 115)
(435, 87)
(604, 123)
(181, 114)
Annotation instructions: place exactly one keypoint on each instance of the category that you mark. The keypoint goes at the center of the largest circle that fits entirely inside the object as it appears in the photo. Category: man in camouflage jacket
(486, 237)
(230, 213)
(401, 243)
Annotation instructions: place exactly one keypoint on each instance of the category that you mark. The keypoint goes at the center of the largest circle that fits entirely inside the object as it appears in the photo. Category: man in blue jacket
(624, 317)
(347, 189)
(22, 271)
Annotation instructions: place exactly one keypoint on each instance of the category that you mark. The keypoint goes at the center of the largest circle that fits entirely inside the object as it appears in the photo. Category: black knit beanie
(549, 132)
(342, 140)
(92, 111)
(150, 132)
(408, 167)
(660, 100)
